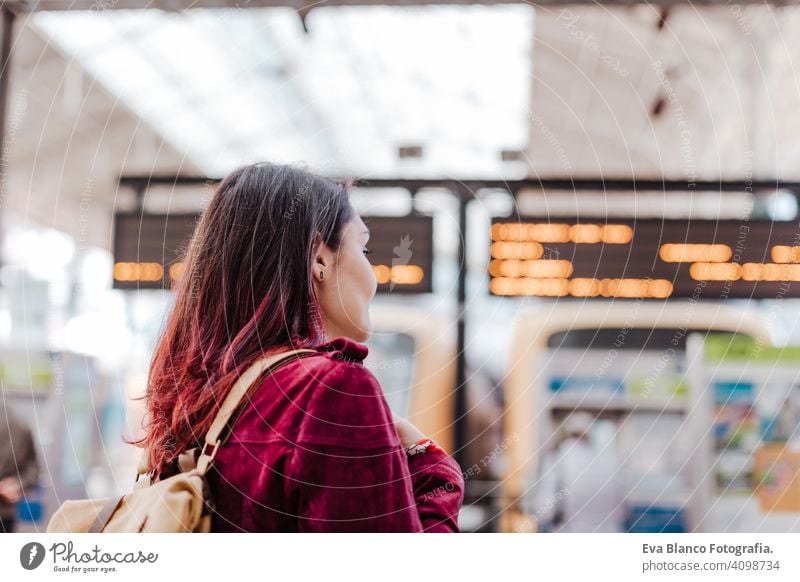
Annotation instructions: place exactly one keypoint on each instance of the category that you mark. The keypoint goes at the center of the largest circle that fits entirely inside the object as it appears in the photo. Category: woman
(278, 261)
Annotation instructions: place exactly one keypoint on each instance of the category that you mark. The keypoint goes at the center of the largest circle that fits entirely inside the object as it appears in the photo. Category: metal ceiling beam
(611, 186)
(180, 5)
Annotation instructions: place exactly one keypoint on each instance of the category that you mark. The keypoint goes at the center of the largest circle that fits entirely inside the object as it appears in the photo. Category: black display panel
(653, 258)
(149, 248)
(402, 256)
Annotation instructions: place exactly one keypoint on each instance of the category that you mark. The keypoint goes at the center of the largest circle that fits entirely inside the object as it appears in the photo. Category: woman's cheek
(371, 280)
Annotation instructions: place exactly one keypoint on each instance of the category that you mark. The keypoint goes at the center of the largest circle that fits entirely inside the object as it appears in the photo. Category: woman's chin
(361, 334)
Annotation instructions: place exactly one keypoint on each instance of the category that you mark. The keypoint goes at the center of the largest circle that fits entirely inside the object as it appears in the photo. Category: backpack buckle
(213, 454)
(205, 459)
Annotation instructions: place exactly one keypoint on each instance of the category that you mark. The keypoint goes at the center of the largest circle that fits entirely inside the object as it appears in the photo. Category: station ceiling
(699, 90)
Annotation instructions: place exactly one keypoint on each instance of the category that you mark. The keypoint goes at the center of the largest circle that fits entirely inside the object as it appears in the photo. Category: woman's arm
(437, 481)
(347, 490)
(350, 472)
(438, 490)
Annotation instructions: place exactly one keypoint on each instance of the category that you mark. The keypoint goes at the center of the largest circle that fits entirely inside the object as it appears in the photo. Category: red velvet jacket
(315, 450)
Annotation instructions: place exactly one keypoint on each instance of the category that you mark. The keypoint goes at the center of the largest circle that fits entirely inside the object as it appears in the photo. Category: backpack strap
(231, 403)
(105, 514)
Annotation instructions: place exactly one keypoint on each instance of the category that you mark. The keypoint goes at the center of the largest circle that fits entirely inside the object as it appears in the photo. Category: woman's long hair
(246, 290)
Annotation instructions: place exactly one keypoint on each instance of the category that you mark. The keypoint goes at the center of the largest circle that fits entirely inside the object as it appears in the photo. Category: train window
(619, 339)
(586, 367)
(391, 359)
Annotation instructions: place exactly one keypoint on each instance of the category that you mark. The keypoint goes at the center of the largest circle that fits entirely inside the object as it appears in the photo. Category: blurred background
(584, 220)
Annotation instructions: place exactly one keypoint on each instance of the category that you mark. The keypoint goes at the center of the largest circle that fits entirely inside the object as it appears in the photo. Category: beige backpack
(176, 504)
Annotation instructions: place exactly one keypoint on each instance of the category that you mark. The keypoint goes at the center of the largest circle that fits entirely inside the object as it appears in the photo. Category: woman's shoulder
(344, 404)
(338, 361)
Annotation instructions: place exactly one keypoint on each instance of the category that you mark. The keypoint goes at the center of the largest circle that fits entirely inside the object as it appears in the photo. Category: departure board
(149, 250)
(402, 256)
(652, 258)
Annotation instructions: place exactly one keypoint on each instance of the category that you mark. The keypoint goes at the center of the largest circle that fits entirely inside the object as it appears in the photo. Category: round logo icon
(31, 555)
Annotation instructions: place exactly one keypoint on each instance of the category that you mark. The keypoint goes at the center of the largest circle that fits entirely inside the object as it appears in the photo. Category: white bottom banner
(401, 557)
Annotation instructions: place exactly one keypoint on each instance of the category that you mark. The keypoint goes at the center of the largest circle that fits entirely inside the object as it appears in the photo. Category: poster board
(777, 477)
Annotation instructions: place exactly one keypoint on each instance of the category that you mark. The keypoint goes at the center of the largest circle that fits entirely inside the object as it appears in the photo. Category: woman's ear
(323, 262)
